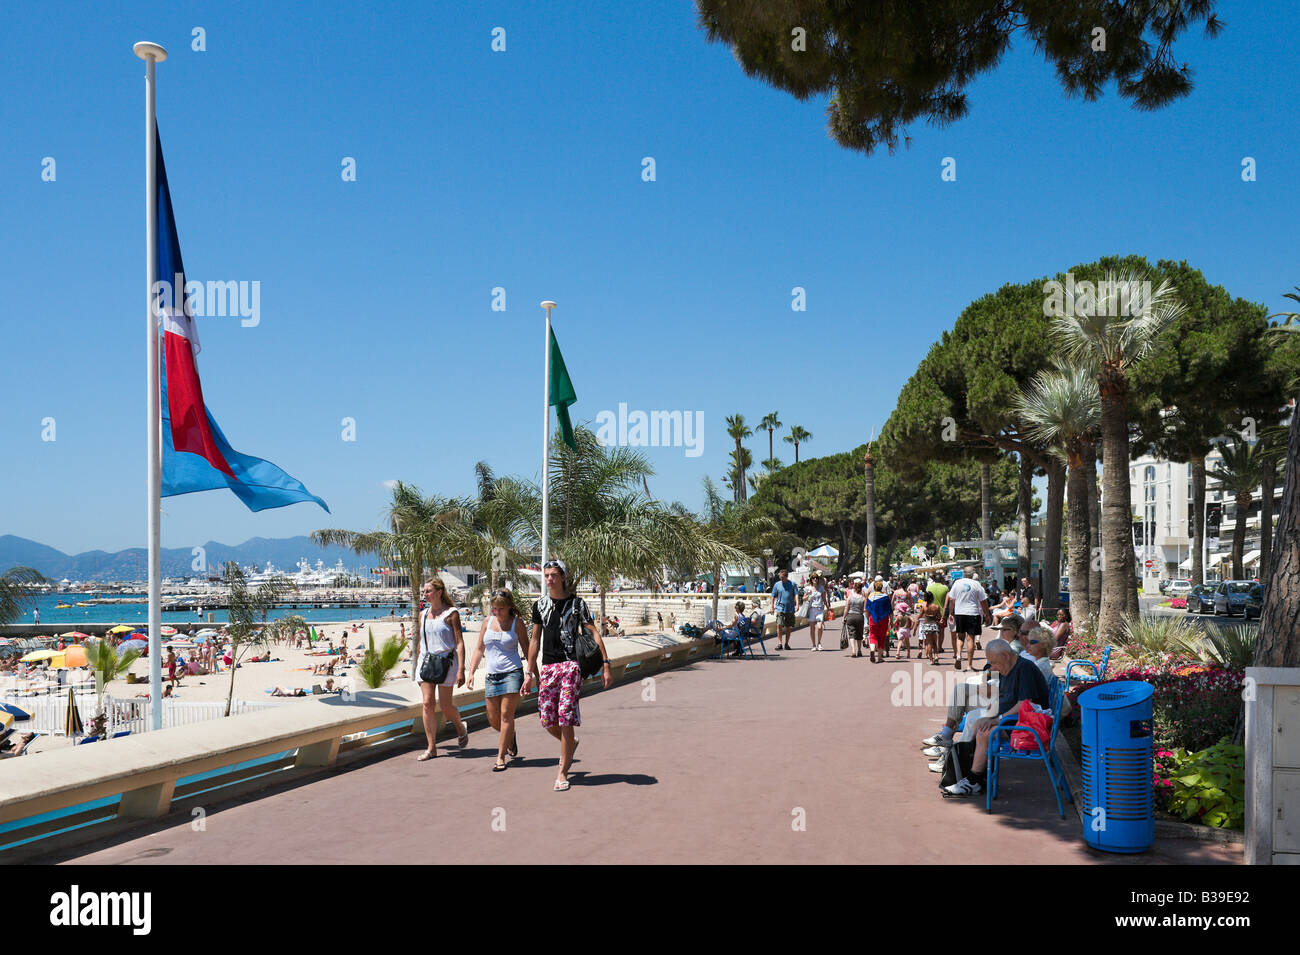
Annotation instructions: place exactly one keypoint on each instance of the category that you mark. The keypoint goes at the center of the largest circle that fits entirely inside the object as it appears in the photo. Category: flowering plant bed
(1178, 603)
(1208, 786)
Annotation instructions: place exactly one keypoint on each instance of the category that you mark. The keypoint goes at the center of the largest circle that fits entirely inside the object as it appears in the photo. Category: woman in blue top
(500, 639)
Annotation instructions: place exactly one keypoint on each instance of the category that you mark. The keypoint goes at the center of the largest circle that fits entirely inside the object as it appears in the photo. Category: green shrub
(374, 666)
(1208, 786)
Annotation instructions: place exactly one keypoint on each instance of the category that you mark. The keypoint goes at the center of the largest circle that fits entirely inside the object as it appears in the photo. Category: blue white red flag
(195, 454)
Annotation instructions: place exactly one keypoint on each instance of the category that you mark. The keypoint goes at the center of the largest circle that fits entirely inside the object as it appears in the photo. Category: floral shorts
(557, 696)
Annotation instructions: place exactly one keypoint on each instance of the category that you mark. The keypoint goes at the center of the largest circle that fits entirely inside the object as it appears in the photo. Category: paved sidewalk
(717, 768)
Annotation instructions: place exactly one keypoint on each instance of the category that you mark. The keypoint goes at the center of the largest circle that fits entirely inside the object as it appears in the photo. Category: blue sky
(522, 170)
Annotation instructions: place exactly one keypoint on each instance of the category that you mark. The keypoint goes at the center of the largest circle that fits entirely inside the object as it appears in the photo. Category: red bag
(1040, 721)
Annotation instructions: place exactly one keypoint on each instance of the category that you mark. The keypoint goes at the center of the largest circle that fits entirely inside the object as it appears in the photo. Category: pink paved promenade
(715, 769)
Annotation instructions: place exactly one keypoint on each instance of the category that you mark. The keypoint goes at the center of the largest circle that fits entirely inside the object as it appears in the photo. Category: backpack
(957, 764)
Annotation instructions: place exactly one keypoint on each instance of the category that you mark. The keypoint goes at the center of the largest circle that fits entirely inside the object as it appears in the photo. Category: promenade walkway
(718, 767)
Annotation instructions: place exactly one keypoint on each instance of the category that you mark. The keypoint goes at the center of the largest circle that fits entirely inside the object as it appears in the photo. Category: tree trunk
(870, 469)
(1095, 574)
(1052, 543)
(1077, 516)
(1116, 508)
(1266, 485)
(1024, 504)
(986, 500)
(1279, 623)
(1239, 536)
(1198, 519)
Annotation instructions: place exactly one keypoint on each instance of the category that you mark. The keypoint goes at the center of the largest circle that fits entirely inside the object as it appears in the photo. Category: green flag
(562, 393)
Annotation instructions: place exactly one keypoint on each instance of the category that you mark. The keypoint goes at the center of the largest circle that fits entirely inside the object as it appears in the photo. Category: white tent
(1215, 560)
(826, 550)
(1186, 565)
(1250, 558)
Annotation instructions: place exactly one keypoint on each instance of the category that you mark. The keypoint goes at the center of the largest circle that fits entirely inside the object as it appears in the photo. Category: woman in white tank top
(503, 641)
(438, 631)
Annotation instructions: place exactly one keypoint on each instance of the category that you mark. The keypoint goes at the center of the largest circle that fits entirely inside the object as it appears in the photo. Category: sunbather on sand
(286, 691)
(16, 745)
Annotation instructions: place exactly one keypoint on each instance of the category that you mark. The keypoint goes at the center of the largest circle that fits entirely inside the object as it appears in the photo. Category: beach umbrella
(826, 550)
(74, 657)
(16, 713)
(169, 631)
(134, 645)
(75, 635)
(206, 633)
(37, 655)
(73, 727)
(121, 628)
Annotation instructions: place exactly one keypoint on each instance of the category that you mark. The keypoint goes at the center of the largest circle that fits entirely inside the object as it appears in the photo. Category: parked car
(1164, 582)
(1230, 596)
(1200, 599)
(1255, 601)
(1178, 588)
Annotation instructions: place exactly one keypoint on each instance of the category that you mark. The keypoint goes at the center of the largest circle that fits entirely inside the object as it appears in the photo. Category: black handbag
(435, 666)
(590, 659)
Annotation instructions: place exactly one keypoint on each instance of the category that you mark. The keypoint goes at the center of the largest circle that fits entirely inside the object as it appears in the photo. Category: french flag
(195, 454)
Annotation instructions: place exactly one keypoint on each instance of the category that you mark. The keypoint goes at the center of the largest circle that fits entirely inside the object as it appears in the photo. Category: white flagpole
(546, 445)
(152, 53)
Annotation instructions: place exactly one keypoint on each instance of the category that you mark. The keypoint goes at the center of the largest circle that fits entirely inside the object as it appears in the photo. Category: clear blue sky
(522, 170)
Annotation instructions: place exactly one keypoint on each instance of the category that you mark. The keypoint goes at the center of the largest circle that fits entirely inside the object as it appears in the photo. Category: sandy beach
(292, 668)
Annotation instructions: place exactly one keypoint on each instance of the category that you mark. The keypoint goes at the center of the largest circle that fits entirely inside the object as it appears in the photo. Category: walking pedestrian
(969, 606)
(499, 640)
(817, 602)
(928, 625)
(558, 616)
(854, 619)
(784, 595)
(878, 611)
(440, 636)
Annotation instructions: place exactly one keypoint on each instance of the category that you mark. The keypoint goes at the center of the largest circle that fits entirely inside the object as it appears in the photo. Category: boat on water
(80, 604)
(62, 606)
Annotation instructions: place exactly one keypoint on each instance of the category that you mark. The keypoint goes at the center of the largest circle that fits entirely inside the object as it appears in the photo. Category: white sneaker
(963, 787)
(935, 740)
(937, 766)
(935, 751)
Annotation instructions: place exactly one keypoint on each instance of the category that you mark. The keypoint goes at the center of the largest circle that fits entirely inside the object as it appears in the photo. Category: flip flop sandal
(463, 741)
(500, 767)
(427, 754)
(561, 785)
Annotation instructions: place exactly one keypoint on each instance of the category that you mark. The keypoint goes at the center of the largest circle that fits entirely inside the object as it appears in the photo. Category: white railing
(50, 712)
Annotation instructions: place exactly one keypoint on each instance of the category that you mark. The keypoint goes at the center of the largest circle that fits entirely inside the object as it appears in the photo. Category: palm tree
(19, 587)
(493, 522)
(1279, 621)
(247, 614)
(770, 423)
(1062, 409)
(869, 468)
(1240, 471)
(736, 532)
(104, 662)
(1097, 335)
(796, 437)
(375, 664)
(773, 465)
(739, 465)
(424, 533)
(739, 431)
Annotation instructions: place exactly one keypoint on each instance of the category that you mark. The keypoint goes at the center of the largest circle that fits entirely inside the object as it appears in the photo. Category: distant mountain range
(133, 564)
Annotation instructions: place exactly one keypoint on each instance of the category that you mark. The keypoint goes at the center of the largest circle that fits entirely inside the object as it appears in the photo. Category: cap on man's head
(556, 563)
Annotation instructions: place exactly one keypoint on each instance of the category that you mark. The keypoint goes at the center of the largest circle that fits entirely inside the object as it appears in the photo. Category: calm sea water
(139, 612)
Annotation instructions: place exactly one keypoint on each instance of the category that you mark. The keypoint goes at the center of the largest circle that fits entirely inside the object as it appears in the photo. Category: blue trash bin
(1118, 807)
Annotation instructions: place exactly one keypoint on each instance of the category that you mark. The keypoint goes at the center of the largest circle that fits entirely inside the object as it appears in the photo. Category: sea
(132, 613)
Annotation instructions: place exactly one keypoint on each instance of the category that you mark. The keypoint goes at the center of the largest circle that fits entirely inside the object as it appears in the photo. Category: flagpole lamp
(152, 54)
(546, 442)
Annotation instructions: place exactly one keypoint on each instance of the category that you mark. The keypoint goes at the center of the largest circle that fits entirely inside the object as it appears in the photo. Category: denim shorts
(503, 684)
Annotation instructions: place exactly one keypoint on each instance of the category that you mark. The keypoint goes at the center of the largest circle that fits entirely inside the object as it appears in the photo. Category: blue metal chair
(1096, 674)
(1000, 749)
(756, 631)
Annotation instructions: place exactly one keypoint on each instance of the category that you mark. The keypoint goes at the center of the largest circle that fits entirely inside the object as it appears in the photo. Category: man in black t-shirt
(558, 616)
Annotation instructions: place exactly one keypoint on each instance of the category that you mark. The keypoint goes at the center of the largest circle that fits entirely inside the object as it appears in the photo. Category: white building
(1164, 528)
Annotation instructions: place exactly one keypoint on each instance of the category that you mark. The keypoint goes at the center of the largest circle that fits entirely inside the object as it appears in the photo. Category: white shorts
(814, 615)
